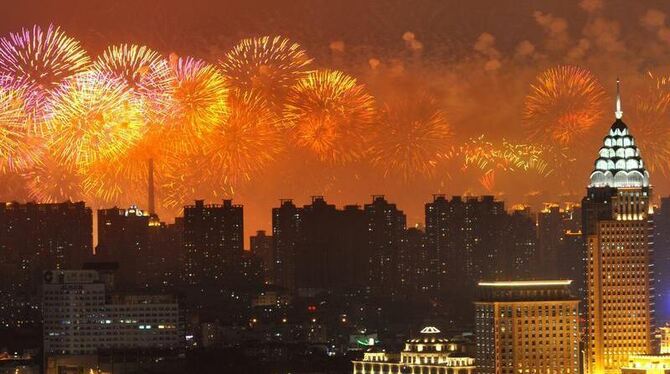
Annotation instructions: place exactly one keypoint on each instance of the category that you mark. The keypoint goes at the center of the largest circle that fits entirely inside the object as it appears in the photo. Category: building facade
(527, 327)
(617, 229)
(427, 353)
(213, 244)
(82, 317)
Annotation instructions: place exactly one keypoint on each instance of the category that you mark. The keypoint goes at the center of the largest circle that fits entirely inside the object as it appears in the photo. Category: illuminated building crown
(619, 163)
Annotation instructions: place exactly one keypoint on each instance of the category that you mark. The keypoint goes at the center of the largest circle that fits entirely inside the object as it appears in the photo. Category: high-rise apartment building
(261, 247)
(386, 229)
(617, 229)
(213, 244)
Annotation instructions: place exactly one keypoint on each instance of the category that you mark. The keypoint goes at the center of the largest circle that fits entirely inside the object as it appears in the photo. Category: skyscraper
(617, 229)
(213, 242)
(662, 260)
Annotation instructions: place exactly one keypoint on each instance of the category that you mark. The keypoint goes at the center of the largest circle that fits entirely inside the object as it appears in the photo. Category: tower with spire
(617, 229)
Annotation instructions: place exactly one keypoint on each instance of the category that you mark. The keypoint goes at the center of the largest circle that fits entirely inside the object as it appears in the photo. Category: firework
(564, 104)
(649, 112)
(269, 65)
(52, 181)
(199, 99)
(18, 148)
(41, 58)
(244, 142)
(145, 71)
(91, 117)
(412, 138)
(330, 115)
(479, 153)
(186, 178)
(37, 61)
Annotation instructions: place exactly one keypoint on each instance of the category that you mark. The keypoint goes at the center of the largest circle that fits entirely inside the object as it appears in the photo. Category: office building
(617, 229)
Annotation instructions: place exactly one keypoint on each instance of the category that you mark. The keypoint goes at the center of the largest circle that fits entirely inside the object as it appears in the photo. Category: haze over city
(314, 186)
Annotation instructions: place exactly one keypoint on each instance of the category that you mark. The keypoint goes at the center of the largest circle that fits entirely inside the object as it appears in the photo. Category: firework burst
(330, 115)
(186, 178)
(269, 65)
(650, 116)
(52, 181)
(41, 58)
(413, 137)
(245, 141)
(563, 105)
(18, 147)
(145, 71)
(37, 61)
(91, 117)
(199, 99)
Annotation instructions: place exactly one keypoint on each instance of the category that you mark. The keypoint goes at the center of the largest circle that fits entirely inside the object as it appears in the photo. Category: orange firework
(18, 148)
(244, 142)
(413, 137)
(199, 100)
(330, 115)
(145, 71)
(91, 117)
(269, 65)
(186, 178)
(506, 156)
(649, 115)
(52, 181)
(563, 105)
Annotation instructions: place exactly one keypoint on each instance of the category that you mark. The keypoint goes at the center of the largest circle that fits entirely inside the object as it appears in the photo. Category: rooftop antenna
(618, 113)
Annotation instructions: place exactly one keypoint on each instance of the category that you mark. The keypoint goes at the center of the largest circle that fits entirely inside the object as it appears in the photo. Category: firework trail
(92, 117)
(268, 65)
(563, 105)
(330, 115)
(412, 138)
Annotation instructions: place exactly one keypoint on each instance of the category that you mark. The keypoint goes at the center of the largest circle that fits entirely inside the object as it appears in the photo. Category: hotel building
(527, 327)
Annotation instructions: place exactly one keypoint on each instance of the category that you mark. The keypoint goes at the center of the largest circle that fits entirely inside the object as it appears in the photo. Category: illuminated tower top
(619, 163)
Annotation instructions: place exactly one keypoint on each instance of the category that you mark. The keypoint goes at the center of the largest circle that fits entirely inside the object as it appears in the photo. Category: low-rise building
(427, 353)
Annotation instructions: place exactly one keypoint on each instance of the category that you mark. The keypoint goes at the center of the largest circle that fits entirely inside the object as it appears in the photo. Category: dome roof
(619, 163)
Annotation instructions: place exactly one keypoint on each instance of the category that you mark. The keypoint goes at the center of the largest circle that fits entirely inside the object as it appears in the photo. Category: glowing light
(52, 181)
(539, 283)
(331, 116)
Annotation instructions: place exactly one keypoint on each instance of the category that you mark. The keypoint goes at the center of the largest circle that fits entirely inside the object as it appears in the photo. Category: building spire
(618, 113)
